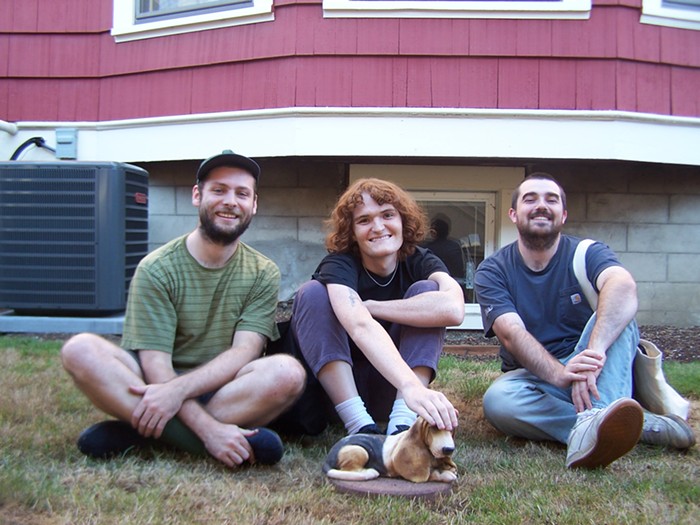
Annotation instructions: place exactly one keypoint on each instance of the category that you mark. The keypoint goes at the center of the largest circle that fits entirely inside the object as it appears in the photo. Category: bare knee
(288, 376)
(78, 350)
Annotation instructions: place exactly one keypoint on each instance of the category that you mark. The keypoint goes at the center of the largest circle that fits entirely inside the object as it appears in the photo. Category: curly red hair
(340, 239)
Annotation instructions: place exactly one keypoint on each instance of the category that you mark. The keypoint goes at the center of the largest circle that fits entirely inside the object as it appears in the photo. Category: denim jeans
(521, 404)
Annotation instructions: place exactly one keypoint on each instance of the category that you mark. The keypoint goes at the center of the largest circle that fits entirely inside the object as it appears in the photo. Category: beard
(218, 235)
(539, 240)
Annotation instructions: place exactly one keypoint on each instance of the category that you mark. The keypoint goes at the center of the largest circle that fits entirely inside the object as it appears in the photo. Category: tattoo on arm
(354, 298)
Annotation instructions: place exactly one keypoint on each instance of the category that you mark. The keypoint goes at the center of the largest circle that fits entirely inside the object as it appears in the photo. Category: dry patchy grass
(45, 480)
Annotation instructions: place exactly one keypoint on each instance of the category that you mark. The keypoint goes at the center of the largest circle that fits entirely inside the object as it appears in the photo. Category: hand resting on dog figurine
(421, 453)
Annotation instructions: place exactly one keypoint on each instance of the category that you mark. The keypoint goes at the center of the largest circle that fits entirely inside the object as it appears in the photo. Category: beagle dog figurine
(421, 453)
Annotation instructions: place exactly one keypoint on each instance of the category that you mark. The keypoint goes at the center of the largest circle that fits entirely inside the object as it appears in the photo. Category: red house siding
(558, 84)
(58, 61)
(57, 16)
(683, 103)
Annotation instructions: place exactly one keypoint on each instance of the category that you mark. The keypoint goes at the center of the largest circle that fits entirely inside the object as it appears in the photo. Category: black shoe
(267, 446)
(370, 429)
(109, 439)
(399, 429)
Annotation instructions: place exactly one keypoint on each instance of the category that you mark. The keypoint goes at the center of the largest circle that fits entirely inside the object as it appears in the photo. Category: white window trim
(125, 27)
(564, 9)
(655, 13)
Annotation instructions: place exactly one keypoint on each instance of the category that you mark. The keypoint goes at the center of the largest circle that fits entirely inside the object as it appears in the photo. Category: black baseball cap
(228, 158)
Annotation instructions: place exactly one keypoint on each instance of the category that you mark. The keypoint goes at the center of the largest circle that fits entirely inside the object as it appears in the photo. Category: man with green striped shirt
(200, 311)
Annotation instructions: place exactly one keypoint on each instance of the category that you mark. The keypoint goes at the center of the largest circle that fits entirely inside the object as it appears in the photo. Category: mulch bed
(677, 344)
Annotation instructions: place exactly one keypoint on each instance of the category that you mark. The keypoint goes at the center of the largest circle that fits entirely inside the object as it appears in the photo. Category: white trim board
(386, 132)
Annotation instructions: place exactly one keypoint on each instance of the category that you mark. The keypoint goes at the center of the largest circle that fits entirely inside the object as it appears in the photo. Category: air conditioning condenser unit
(71, 235)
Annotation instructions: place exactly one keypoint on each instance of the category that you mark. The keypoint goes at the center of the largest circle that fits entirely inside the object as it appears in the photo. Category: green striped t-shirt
(178, 306)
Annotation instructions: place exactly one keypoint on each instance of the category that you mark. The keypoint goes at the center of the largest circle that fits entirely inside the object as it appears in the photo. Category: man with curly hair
(371, 321)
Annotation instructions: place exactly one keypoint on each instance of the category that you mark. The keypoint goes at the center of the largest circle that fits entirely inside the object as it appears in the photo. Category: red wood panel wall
(56, 16)
(58, 61)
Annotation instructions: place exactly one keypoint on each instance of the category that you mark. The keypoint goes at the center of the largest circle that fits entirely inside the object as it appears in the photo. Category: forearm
(210, 376)
(184, 386)
(370, 337)
(197, 419)
(213, 375)
(426, 310)
(617, 307)
(535, 358)
(443, 307)
(531, 354)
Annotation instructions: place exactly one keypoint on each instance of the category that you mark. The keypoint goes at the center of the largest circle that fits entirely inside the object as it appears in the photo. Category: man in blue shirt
(568, 370)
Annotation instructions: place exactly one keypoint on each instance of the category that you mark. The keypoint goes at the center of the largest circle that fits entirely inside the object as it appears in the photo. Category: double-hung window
(137, 19)
(154, 9)
(544, 9)
(684, 14)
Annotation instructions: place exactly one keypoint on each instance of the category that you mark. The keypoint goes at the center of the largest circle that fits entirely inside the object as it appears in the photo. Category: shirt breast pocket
(573, 307)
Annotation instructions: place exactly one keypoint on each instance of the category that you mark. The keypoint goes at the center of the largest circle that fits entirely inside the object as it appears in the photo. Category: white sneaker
(602, 435)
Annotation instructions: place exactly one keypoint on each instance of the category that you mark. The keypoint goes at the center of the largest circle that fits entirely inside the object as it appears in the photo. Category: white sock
(400, 415)
(353, 414)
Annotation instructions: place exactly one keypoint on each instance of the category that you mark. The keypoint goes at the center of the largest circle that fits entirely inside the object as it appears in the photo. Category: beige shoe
(602, 435)
(667, 431)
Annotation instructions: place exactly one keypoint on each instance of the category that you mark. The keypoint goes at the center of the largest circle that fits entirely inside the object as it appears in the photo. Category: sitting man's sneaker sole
(399, 429)
(607, 435)
(267, 446)
(370, 429)
(109, 439)
(670, 431)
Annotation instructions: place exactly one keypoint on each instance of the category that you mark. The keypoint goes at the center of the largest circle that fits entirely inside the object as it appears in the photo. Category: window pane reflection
(457, 233)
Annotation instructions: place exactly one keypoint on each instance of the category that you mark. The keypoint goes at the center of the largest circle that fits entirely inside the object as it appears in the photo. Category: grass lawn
(45, 480)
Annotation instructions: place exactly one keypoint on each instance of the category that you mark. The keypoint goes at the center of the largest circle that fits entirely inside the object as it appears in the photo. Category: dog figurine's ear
(413, 463)
(411, 459)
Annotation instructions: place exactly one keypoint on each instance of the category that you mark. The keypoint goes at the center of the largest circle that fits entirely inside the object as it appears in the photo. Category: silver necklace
(385, 284)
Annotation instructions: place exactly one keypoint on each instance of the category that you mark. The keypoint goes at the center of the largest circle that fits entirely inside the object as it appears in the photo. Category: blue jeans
(521, 404)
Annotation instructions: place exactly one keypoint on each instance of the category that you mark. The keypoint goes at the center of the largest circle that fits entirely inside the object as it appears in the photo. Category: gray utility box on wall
(71, 235)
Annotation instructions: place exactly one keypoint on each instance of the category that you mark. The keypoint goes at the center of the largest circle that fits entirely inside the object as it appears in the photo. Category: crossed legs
(342, 369)
(260, 391)
(520, 404)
